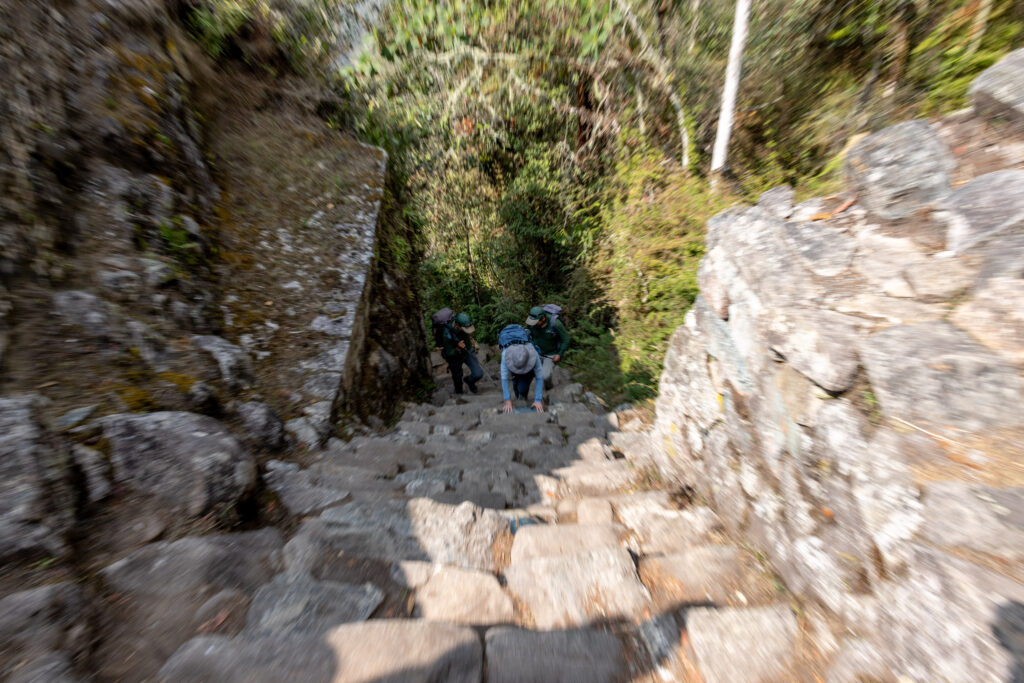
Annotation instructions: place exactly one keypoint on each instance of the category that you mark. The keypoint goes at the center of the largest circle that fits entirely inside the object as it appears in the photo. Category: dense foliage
(556, 151)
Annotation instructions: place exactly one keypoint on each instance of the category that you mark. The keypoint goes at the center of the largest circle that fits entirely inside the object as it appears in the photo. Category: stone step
(517, 655)
(461, 596)
(595, 478)
(734, 644)
(703, 574)
(539, 540)
(297, 604)
(576, 590)
(391, 530)
(412, 650)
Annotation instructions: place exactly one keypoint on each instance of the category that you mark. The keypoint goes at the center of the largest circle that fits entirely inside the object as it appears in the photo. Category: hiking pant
(549, 367)
(521, 385)
(455, 367)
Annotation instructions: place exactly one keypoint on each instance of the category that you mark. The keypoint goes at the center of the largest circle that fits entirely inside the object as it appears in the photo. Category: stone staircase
(468, 545)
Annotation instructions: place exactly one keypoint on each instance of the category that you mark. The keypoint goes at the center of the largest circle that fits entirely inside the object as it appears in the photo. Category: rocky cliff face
(848, 392)
(190, 266)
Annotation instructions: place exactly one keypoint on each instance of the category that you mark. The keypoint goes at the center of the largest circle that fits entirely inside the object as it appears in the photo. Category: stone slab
(520, 656)
(575, 590)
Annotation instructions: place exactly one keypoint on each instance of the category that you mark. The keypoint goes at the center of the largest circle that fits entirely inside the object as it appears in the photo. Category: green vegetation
(556, 152)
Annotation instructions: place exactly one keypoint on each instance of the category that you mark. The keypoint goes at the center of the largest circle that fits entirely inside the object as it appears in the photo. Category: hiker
(549, 336)
(457, 348)
(520, 363)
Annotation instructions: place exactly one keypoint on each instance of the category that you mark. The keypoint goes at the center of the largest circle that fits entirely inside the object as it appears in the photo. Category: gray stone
(540, 540)
(662, 530)
(949, 619)
(754, 644)
(263, 427)
(296, 604)
(778, 201)
(520, 656)
(998, 91)
(96, 469)
(38, 624)
(157, 273)
(705, 573)
(821, 345)
(596, 478)
(594, 511)
(806, 210)
(934, 373)
(900, 169)
(995, 316)
(984, 207)
(566, 393)
(461, 596)
(85, 310)
(185, 462)
(592, 449)
(939, 278)
(976, 518)
(412, 651)
(74, 417)
(387, 457)
(323, 386)
(50, 668)
(233, 362)
(298, 489)
(823, 249)
(883, 260)
(859, 660)
(885, 309)
(203, 399)
(157, 596)
(575, 590)
(419, 529)
(304, 432)
(37, 501)
(121, 284)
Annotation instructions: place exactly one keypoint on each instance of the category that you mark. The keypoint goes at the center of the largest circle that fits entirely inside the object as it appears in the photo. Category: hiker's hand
(507, 408)
(556, 357)
(538, 406)
(462, 345)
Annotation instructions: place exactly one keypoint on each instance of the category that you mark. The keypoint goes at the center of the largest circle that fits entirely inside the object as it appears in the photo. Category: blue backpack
(511, 335)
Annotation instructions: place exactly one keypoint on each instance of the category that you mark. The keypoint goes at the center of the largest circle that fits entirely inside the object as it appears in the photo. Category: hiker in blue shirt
(522, 364)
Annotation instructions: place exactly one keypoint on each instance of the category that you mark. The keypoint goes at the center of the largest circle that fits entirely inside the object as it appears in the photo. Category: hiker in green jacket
(549, 336)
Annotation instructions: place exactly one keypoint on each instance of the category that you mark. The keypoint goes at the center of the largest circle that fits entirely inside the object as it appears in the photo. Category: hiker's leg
(523, 383)
(548, 366)
(455, 367)
(475, 371)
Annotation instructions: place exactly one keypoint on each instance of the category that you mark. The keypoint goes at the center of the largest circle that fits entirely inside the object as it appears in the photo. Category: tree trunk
(694, 14)
(732, 83)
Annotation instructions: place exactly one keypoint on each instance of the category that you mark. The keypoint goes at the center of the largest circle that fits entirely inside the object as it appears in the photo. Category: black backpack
(439, 322)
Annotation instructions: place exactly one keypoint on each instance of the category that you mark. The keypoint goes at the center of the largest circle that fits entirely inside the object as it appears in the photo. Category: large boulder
(182, 461)
(984, 207)
(935, 373)
(998, 92)
(37, 500)
(901, 169)
(42, 628)
(165, 593)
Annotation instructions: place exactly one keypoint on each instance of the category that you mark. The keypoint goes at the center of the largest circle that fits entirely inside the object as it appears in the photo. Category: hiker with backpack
(520, 364)
(549, 335)
(453, 333)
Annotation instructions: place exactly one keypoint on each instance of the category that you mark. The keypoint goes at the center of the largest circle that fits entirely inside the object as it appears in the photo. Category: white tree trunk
(694, 14)
(732, 83)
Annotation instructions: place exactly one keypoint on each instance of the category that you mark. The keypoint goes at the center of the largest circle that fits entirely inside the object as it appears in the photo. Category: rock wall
(848, 391)
(156, 340)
